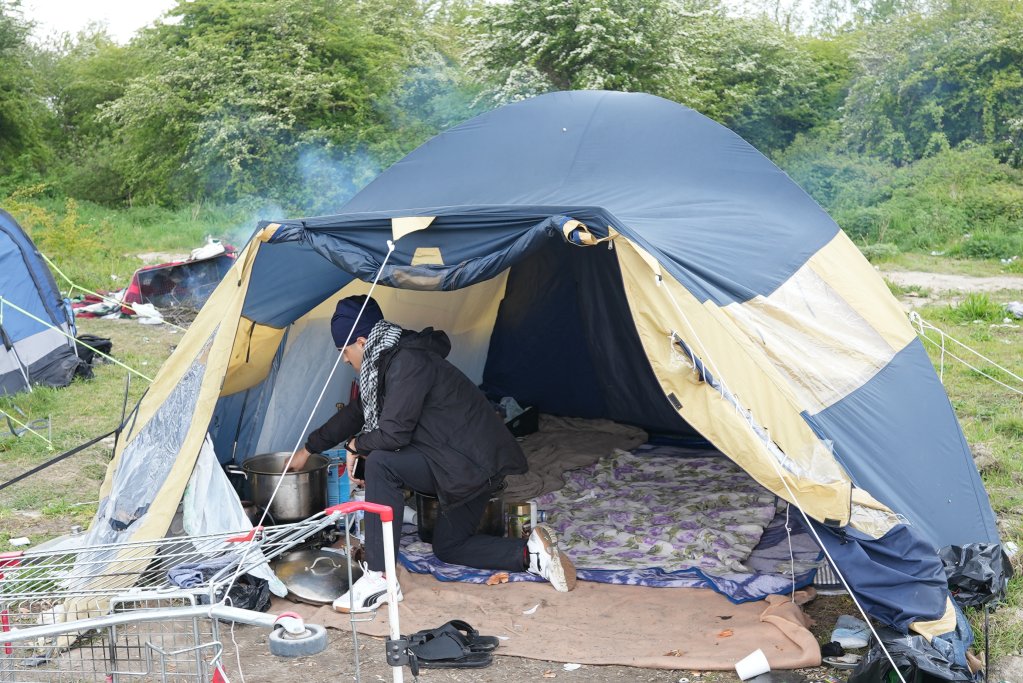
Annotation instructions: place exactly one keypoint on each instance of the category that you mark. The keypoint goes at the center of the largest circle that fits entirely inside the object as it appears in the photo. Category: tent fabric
(906, 403)
(725, 301)
(36, 329)
(897, 578)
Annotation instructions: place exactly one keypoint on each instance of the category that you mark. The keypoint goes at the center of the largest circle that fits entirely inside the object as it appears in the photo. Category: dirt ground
(946, 285)
(337, 663)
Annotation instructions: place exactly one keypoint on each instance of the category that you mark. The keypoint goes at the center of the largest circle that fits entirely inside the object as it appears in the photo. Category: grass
(953, 266)
(50, 502)
(97, 247)
(992, 419)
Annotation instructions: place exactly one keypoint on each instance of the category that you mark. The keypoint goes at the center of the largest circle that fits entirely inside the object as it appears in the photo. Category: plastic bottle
(337, 477)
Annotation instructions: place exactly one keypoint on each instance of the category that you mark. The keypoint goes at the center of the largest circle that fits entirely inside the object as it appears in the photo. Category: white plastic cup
(753, 664)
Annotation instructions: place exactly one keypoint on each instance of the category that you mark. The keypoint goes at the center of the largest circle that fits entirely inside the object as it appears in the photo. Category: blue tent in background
(34, 319)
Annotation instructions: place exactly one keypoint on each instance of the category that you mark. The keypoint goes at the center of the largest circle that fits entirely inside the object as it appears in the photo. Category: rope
(54, 327)
(784, 480)
(62, 456)
(25, 428)
(102, 297)
(922, 325)
(280, 480)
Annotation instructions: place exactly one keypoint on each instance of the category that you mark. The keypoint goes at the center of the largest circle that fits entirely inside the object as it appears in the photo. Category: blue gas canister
(337, 477)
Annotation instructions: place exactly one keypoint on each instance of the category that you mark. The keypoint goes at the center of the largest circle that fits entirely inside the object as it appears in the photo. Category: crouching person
(421, 424)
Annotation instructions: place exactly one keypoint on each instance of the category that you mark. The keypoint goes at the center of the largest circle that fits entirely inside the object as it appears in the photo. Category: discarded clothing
(196, 574)
(850, 632)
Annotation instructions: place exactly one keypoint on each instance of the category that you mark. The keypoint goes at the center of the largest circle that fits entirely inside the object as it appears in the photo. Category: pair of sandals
(454, 645)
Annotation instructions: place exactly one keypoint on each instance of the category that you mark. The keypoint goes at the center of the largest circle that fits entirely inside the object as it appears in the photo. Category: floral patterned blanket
(636, 511)
(663, 516)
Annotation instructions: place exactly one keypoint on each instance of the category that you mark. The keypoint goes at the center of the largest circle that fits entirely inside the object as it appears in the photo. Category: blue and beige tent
(36, 328)
(612, 255)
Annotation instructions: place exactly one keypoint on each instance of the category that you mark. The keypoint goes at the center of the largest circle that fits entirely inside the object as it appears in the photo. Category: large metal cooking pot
(302, 493)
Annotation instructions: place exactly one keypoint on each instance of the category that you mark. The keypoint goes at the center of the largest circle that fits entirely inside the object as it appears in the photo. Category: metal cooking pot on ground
(428, 507)
(302, 493)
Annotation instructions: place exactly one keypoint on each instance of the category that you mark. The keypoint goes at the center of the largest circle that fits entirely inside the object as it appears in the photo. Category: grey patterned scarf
(383, 336)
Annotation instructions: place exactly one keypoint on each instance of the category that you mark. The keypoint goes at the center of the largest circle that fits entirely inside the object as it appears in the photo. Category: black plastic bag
(977, 573)
(86, 346)
(918, 660)
(248, 592)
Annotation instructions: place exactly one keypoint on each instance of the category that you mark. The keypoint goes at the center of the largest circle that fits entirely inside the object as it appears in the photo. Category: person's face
(352, 354)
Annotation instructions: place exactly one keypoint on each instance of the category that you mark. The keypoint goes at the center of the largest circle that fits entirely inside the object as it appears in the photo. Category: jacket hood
(428, 340)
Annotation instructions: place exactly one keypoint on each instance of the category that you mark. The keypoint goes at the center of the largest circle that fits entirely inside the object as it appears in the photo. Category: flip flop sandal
(846, 661)
(475, 641)
(446, 650)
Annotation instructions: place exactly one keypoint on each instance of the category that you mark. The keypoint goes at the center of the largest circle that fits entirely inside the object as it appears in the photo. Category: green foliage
(877, 253)
(750, 74)
(24, 117)
(926, 83)
(526, 47)
(224, 112)
(96, 246)
(930, 205)
(974, 307)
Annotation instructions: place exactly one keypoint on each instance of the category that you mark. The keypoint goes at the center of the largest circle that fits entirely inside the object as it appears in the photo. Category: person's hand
(298, 460)
(350, 459)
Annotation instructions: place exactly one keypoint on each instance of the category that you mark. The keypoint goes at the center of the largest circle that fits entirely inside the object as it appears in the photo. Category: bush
(881, 251)
(975, 307)
(988, 246)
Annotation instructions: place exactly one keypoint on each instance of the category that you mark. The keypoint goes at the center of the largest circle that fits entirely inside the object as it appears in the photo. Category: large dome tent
(601, 255)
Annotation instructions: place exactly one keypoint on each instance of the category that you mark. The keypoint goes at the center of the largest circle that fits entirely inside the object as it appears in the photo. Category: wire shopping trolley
(113, 614)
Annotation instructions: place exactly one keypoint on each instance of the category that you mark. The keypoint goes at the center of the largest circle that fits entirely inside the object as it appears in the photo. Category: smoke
(329, 177)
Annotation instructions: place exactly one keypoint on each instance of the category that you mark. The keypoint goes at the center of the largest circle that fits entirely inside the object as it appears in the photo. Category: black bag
(88, 355)
(977, 573)
(918, 660)
(248, 592)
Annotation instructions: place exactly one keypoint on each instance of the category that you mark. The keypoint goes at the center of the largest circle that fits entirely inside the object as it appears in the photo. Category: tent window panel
(815, 339)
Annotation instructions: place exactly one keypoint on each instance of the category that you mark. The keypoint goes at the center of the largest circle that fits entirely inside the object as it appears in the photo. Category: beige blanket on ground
(664, 628)
(565, 443)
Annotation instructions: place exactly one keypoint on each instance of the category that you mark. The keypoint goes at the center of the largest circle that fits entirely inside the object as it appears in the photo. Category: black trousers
(455, 540)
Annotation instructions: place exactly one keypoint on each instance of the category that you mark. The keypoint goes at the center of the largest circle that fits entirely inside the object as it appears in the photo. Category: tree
(274, 98)
(925, 83)
(750, 74)
(24, 118)
(527, 47)
(81, 75)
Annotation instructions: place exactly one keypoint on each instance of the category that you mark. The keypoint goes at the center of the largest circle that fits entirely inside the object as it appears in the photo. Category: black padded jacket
(426, 402)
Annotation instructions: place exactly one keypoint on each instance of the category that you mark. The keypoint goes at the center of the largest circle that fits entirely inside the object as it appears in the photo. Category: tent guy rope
(923, 326)
(312, 412)
(7, 302)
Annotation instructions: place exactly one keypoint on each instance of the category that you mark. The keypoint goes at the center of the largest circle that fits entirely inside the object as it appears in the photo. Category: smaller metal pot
(301, 494)
(428, 507)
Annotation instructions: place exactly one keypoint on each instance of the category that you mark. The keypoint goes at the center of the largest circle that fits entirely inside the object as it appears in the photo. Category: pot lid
(315, 576)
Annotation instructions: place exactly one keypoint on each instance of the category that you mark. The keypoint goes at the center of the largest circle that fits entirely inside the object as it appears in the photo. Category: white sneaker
(547, 561)
(366, 594)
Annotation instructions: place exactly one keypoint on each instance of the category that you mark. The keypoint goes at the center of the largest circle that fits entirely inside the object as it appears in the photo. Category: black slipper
(475, 641)
(446, 649)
